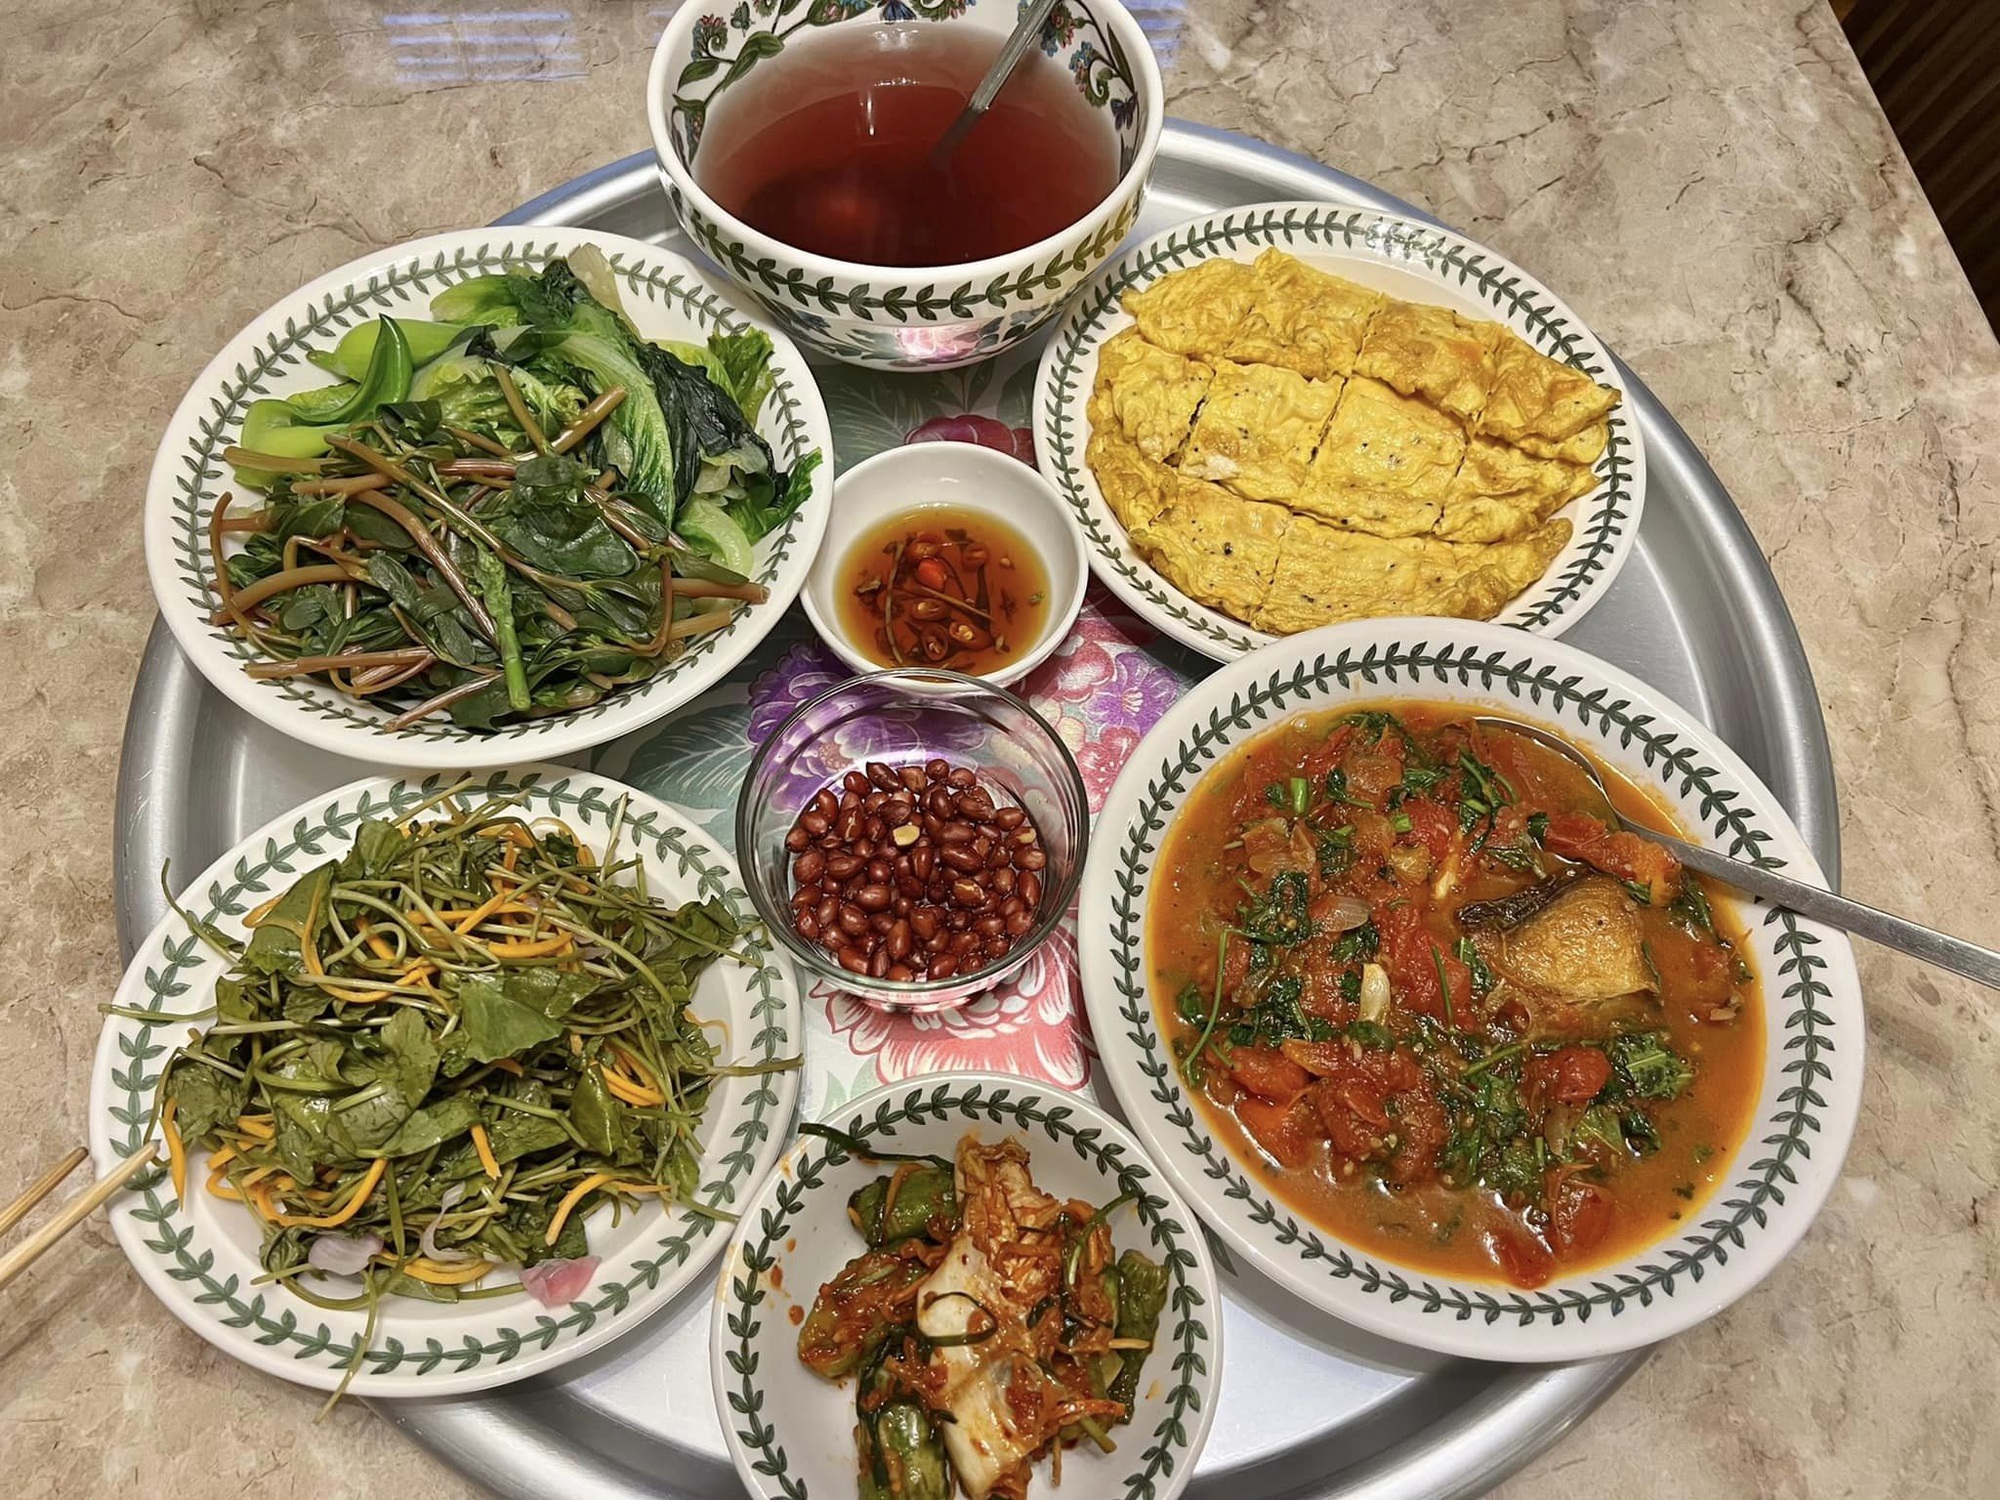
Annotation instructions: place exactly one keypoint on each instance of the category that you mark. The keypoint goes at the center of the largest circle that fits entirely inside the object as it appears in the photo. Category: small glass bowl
(904, 717)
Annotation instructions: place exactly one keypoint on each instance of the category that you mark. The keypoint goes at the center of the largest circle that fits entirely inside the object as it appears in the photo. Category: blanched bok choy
(509, 512)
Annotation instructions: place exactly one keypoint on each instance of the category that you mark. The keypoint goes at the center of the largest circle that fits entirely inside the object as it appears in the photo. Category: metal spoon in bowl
(1905, 936)
(1026, 32)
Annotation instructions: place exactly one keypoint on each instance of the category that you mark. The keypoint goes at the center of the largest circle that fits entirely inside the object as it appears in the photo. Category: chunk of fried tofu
(1385, 463)
(1258, 430)
(1326, 574)
(1501, 493)
(1151, 394)
(1214, 547)
(1584, 947)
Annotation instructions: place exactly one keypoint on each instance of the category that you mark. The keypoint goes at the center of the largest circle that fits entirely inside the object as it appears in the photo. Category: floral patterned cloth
(1102, 689)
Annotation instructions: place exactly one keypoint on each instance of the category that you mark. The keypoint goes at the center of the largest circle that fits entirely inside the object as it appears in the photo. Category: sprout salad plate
(200, 1257)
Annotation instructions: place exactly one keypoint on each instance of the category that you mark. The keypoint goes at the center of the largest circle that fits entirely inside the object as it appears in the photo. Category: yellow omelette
(1293, 449)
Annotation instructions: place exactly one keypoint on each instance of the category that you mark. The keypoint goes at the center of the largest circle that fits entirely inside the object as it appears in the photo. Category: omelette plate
(1403, 258)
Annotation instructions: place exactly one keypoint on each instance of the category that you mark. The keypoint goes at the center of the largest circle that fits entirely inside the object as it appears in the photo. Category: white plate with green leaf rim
(666, 298)
(792, 1433)
(1416, 262)
(1776, 1178)
(200, 1258)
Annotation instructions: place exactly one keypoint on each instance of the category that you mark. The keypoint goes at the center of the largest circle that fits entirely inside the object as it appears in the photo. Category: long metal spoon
(1905, 936)
(1027, 31)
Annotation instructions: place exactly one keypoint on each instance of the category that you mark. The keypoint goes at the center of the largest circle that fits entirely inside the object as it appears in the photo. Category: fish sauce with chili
(944, 586)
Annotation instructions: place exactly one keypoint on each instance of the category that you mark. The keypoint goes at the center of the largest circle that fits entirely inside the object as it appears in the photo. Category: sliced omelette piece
(1214, 547)
(1212, 310)
(1326, 574)
(1539, 404)
(1278, 311)
(1151, 393)
(1430, 353)
(1385, 463)
(1501, 493)
(1136, 488)
(1323, 317)
(1585, 448)
(1258, 431)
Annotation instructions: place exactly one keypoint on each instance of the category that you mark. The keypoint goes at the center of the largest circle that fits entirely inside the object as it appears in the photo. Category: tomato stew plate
(1807, 1097)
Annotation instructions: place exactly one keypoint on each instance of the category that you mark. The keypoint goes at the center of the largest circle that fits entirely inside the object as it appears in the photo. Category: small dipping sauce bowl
(912, 718)
(948, 477)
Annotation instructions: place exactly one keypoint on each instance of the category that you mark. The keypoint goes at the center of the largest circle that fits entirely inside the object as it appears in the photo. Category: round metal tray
(1308, 1408)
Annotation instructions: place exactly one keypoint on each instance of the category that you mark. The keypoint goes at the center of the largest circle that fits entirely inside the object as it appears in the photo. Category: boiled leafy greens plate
(443, 314)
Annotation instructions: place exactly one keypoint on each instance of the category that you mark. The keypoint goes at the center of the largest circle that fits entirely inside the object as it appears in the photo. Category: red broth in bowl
(826, 147)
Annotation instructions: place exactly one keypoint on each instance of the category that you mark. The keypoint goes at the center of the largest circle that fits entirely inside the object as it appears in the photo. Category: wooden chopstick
(74, 1212)
(42, 1186)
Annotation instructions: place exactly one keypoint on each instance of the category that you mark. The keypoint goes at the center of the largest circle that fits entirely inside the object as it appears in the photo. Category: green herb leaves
(1484, 791)
(300, 912)
(1358, 945)
(546, 519)
(1279, 917)
(1643, 1066)
(1278, 1016)
(439, 1036)
(505, 1017)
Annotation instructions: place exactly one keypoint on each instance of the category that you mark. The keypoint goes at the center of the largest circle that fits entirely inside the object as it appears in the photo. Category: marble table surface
(1709, 182)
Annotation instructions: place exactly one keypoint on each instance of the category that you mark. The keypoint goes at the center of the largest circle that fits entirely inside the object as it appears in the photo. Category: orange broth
(1439, 1171)
(943, 586)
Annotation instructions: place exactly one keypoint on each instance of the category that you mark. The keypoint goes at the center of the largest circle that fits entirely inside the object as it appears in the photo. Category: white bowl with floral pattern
(791, 1434)
(903, 317)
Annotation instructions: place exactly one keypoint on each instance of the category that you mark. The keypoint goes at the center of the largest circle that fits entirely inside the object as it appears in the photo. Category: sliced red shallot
(343, 1254)
(557, 1283)
(427, 1244)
